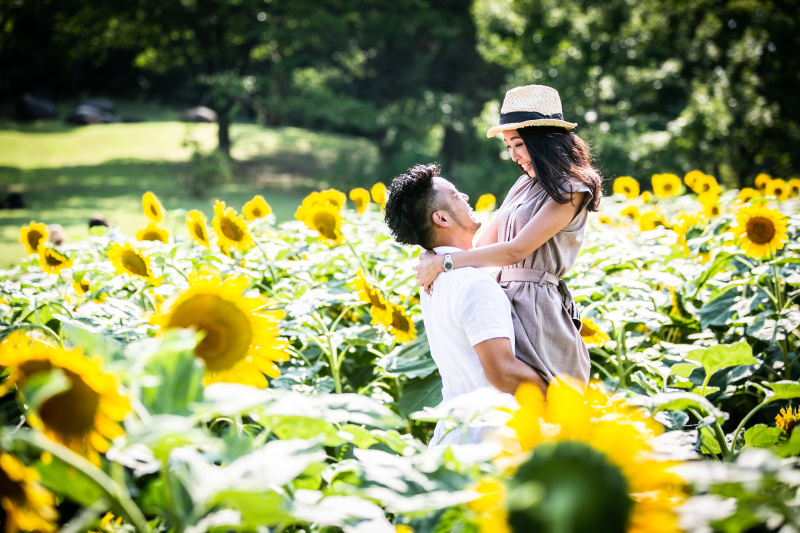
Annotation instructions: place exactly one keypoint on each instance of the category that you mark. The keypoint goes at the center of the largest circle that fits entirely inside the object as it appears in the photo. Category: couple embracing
(523, 326)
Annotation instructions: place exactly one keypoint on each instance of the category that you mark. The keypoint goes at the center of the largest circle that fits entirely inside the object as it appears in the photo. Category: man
(468, 317)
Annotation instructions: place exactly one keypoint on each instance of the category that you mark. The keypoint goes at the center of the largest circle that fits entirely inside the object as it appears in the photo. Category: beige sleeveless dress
(546, 320)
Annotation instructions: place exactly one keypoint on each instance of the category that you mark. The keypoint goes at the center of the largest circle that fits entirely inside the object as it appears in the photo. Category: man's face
(458, 204)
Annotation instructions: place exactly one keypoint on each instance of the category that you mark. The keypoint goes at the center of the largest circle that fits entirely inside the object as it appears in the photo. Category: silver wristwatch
(448, 263)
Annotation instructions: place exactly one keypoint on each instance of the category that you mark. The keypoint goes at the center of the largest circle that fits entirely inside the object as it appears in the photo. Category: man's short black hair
(412, 201)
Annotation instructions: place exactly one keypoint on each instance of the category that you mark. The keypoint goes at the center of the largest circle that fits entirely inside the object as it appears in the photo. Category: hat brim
(540, 122)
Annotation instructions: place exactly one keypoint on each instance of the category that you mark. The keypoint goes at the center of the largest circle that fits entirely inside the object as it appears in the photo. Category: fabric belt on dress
(536, 275)
(533, 275)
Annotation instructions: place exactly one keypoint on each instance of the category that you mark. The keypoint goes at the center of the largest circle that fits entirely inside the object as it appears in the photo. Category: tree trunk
(224, 131)
(451, 149)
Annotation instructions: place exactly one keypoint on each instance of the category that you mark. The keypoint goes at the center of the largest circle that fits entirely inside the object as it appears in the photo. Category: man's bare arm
(504, 371)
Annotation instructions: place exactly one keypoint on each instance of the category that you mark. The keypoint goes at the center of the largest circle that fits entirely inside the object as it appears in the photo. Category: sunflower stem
(745, 419)
(782, 343)
(358, 257)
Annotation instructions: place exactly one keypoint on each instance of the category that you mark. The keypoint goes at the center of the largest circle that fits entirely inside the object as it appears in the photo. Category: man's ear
(441, 219)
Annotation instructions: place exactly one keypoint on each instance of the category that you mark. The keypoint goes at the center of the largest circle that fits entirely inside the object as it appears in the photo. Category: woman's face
(518, 152)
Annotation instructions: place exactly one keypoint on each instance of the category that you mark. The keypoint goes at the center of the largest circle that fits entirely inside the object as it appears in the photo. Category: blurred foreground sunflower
(334, 197)
(196, 222)
(666, 185)
(52, 261)
(402, 328)
(591, 463)
(485, 203)
(152, 207)
(241, 340)
(87, 410)
(626, 185)
(591, 332)
(650, 220)
(230, 227)
(256, 208)
(760, 231)
(32, 236)
(326, 220)
(777, 188)
(631, 212)
(128, 260)
(762, 180)
(24, 504)
(378, 192)
(380, 310)
(691, 177)
(152, 232)
(81, 284)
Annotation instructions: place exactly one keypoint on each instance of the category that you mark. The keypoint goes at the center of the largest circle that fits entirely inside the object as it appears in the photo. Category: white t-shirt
(466, 308)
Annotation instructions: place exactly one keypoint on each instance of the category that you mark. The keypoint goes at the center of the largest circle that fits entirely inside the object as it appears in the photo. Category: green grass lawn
(66, 174)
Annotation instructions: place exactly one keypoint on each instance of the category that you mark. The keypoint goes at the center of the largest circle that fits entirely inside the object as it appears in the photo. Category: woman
(537, 232)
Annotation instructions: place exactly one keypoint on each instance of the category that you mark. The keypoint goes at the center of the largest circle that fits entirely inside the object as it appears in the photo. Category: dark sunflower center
(587, 330)
(359, 201)
(71, 413)
(226, 328)
(84, 285)
(152, 236)
(257, 212)
(778, 191)
(400, 322)
(668, 187)
(10, 489)
(200, 231)
(154, 209)
(230, 229)
(626, 189)
(325, 224)
(583, 491)
(52, 259)
(34, 237)
(134, 263)
(760, 230)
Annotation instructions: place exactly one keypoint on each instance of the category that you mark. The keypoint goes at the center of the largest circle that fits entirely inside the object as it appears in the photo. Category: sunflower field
(238, 375)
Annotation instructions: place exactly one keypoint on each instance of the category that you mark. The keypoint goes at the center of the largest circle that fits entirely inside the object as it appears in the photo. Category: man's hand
(504, 371)
(429, 267)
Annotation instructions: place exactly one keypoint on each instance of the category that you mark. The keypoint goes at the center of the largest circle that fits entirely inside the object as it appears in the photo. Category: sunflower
(196, 222)
(762, 180)
(760, 231)
(152, 207)
(486, 202)
(647, 197)
(581, 445)
(631, 212)
(666, 185)
(402, 327)
(360, 198)
(81, 284)
(706, 184)
(256, 208)
(83, 416)
(32, 236)
(628, 186)
(378, 192)
(711, 210)
(747, 194)
(128, 260)
(794, 187)
(28, 506)
(380, 310)
(231, 227)
(778, 188)
(591, 333)
(685, 223)
(602, 218)
(152, 232)
(334, 198)
(691, 177)
(241, 339)
(326, 220)
(492, 516)
(51, 261)
(650, 220)
(787, 420)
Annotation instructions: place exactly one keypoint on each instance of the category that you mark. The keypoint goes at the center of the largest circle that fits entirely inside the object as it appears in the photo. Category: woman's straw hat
(531, 105)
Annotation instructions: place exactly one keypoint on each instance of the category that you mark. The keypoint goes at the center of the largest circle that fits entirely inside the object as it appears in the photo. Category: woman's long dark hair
(559, 159)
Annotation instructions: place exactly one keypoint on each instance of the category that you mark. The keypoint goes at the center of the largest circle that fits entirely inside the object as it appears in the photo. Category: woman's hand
(428, 269)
